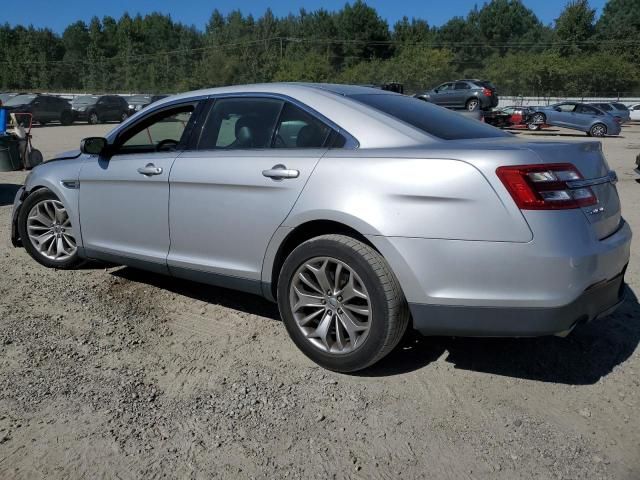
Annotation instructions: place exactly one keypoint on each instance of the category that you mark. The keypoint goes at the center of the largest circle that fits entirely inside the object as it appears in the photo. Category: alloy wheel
(49, 230)
(598, 130)
(472, 105)
(330, 305)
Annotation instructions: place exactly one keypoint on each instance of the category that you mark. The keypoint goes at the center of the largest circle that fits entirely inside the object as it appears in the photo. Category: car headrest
(308, 137)
(244, 130)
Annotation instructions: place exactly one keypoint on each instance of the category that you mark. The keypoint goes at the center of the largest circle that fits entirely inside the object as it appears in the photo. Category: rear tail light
(545, 187)
(487, 92)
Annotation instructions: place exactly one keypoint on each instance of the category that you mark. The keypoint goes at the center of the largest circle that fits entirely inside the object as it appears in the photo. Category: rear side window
(297, 129)
(586, 110)
(462, 86)
(620, 106)
(436, 121)
(240, 123)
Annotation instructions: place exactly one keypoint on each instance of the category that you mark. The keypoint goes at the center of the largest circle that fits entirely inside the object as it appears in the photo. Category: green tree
(575, 28)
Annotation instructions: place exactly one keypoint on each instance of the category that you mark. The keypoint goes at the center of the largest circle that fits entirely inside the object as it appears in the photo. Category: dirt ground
(116, 373)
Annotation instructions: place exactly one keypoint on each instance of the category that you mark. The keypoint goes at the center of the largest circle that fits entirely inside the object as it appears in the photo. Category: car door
(562, 115)
(460, 94)
(440, 95)
(124, 196)
(586, 115)
(230, 195)
(39, 109)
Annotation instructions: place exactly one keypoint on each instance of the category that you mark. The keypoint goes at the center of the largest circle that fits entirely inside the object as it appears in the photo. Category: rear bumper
(596, 302)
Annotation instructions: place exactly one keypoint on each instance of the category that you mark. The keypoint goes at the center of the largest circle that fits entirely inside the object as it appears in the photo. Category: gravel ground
(116, 373)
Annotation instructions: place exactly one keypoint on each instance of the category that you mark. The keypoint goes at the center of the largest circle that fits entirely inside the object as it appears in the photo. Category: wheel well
(305, 232)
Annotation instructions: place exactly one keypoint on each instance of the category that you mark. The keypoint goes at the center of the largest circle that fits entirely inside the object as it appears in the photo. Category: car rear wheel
(124, 116)
(472, 104)
(93, 118)
(46, 232)
(340, 302)
(533, 126)
(598, 130)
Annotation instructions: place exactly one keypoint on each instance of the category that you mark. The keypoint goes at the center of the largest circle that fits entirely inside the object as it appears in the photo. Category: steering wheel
(169, 141)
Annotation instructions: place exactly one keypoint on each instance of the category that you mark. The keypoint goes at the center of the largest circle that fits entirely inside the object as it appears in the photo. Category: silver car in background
(359, 211)
(592, 120)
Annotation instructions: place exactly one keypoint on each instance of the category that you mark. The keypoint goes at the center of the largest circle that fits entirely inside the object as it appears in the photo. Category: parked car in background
(634, 111)
(521, 117)
(100, 108)
(578, 116)
(359, 211)
(138, 102)
(6, 96)
(616, 109)
(469, 94)
(43, 108)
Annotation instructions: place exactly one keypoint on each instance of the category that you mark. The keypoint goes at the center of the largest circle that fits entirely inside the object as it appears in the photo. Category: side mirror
(93, 145)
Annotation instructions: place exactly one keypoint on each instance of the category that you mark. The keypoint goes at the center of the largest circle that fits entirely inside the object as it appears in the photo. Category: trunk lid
(588, 158)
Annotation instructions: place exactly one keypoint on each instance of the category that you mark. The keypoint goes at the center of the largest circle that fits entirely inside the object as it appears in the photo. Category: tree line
(502, 41)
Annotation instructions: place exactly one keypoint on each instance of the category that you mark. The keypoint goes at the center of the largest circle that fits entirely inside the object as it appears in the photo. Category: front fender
(62, 178)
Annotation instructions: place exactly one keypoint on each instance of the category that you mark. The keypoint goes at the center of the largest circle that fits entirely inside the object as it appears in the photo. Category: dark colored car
(469, 94)
(43, 108)
(100, 108)
(138, 102)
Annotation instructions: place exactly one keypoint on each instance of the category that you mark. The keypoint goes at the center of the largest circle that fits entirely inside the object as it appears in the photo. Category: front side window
(240, 123)
(297, 129)
(445, 87)
(565, 107)
(161, 131)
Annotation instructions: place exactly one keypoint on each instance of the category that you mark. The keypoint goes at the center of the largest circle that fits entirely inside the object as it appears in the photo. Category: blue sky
(57, 14)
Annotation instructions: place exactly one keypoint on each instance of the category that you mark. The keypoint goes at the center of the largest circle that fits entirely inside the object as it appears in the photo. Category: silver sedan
(360, 212)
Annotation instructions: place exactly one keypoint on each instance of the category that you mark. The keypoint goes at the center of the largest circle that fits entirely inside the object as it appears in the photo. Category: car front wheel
(93, 118)
(340, 302)
(46, 232)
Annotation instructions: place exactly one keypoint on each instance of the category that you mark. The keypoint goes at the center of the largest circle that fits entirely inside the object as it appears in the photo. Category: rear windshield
(620, 106)
(20, 100)
(85, 100)
(429, 118)
(485, 84)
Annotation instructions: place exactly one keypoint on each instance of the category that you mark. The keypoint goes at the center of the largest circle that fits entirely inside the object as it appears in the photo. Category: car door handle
(279, 172)
(150, 169)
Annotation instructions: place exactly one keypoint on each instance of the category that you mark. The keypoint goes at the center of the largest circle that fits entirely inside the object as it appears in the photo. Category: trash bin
(9, 154)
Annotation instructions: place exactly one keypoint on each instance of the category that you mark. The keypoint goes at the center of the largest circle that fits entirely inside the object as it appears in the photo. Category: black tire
(597, 130)
(472, 104)
(42, 122)
(539, 118)
(92, 118)
(66, 118)
(38, 196)
(533, 127)
(124, 116)
(389, 309)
